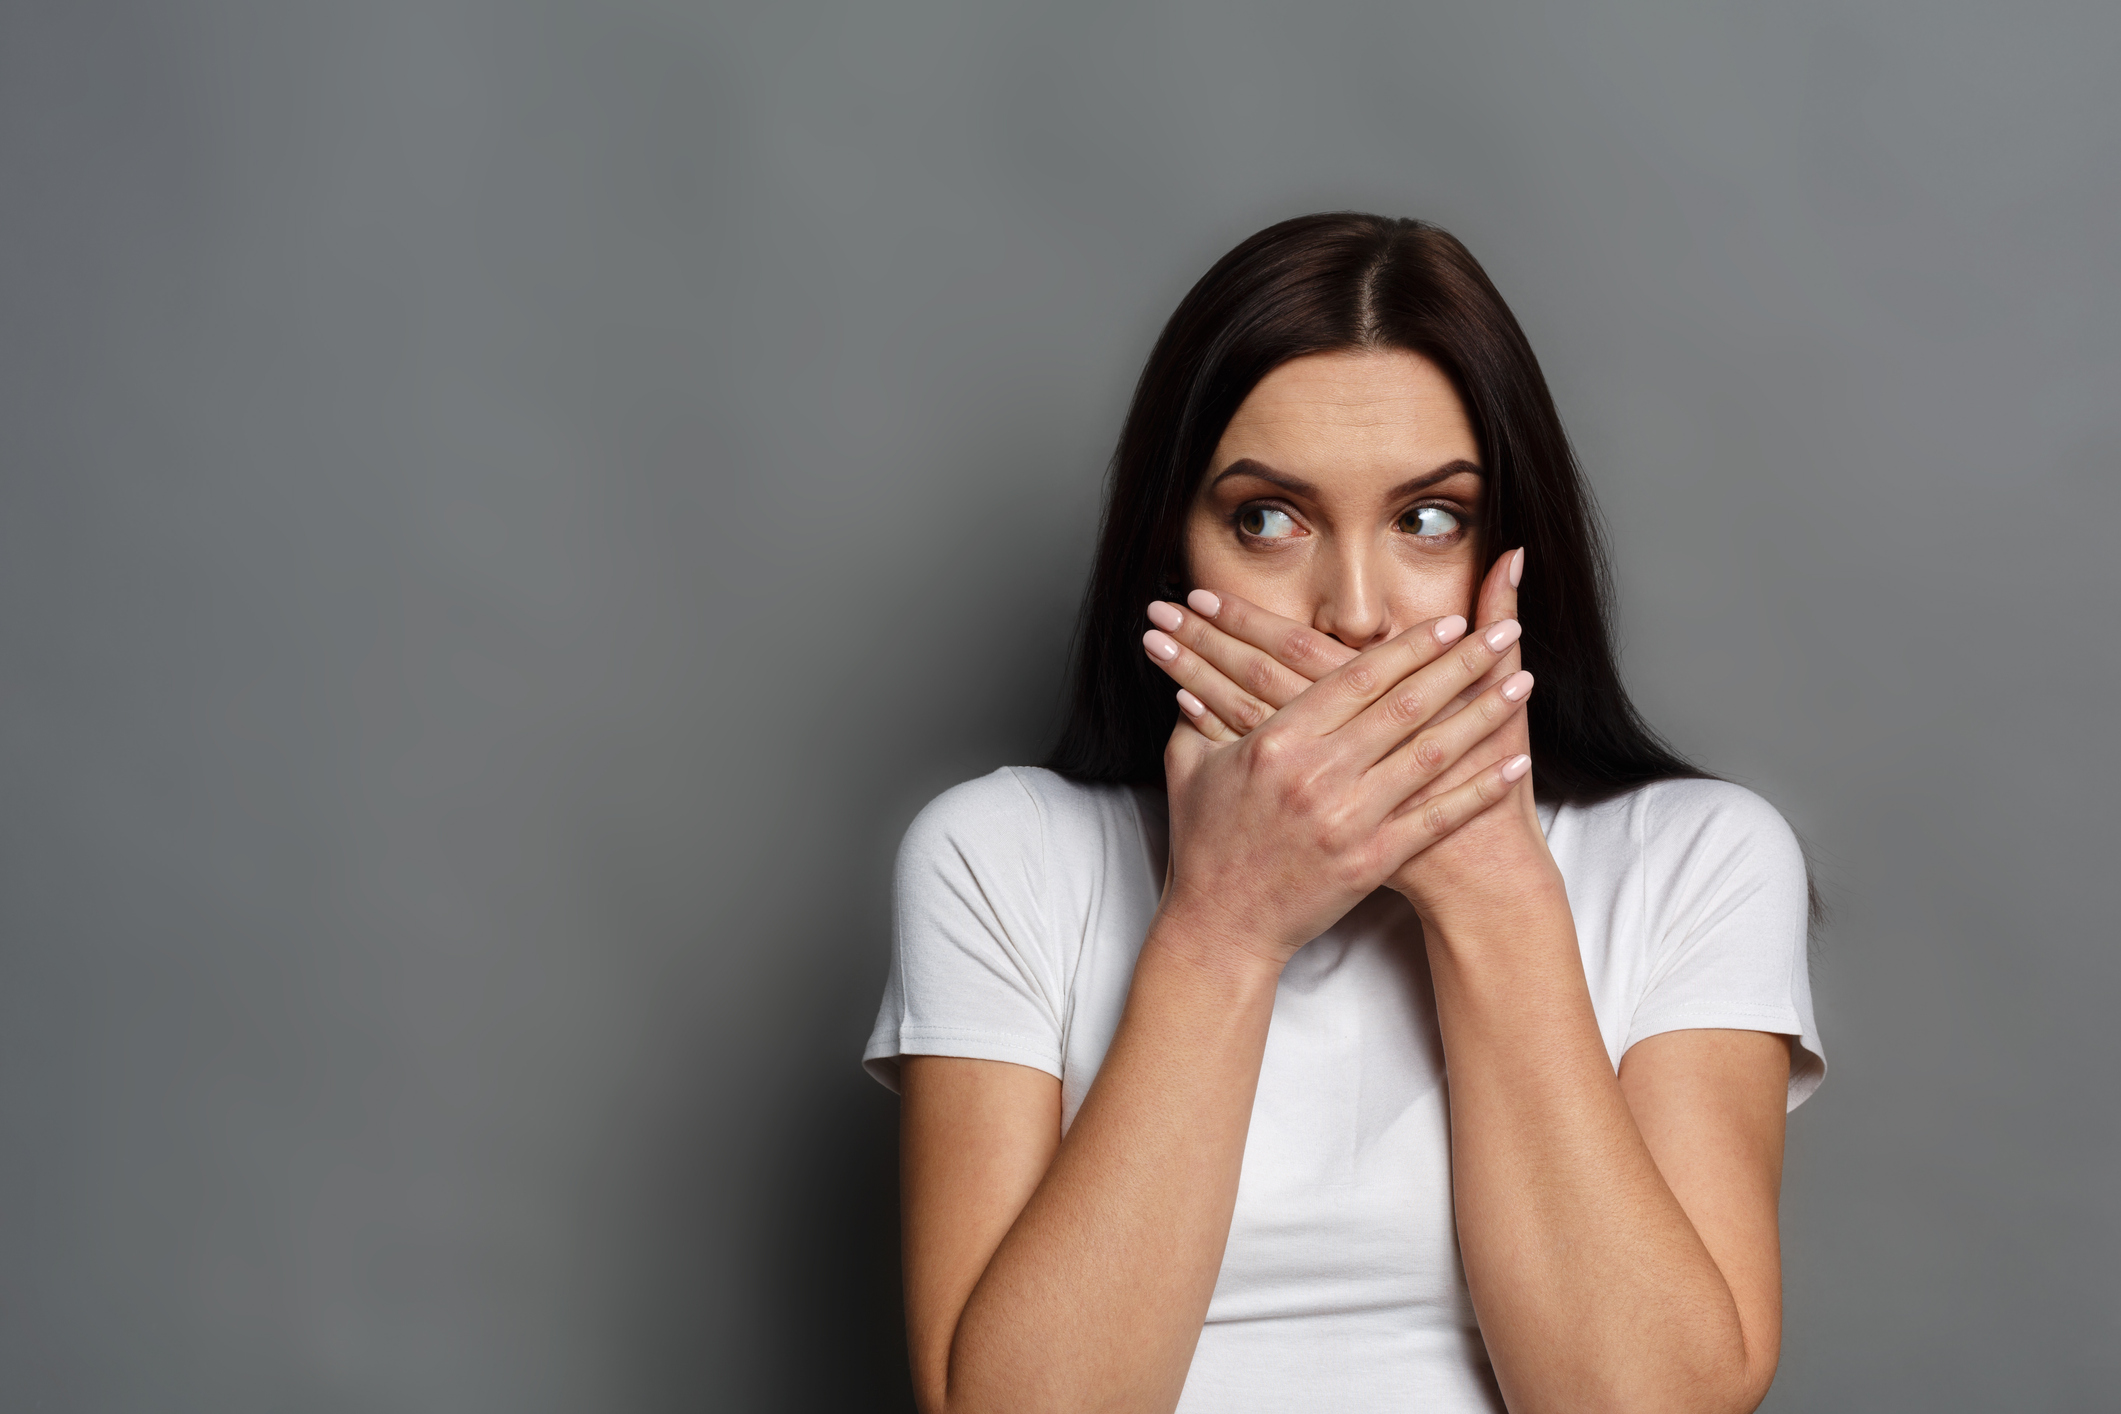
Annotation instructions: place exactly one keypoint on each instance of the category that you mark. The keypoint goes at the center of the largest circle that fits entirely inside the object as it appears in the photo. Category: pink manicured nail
(1502, 635)
(1450, 627)
(1515, 686)
(1204, 603)
(1514, 768)
(1165, 616)
(1516, 568)
(1193, 705)
(1159, 646)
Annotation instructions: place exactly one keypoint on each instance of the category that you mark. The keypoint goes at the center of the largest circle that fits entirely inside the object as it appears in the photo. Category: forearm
(1095, 1298)
(1593, 1288)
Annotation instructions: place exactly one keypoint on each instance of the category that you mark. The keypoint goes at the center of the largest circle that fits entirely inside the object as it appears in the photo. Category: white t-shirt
(1022, 899)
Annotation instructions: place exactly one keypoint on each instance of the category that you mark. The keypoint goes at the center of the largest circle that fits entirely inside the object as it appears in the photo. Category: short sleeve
(972, 971)
(1728, 907)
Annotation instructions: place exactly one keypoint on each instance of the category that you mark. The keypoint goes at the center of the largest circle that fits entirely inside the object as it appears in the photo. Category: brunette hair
(1321, 284)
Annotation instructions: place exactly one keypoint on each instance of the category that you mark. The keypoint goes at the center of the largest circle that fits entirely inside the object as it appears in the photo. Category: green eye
(1429, 522)
(1266, 523)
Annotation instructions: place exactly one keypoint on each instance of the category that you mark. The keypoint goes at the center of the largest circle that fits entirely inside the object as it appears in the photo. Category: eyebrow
(1297, 486)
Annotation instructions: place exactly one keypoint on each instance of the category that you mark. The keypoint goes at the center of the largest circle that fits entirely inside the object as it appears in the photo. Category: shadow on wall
(826, 1248)
(837, 1317)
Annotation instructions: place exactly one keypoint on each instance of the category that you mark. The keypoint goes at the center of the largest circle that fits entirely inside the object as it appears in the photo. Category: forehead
(1386, 412)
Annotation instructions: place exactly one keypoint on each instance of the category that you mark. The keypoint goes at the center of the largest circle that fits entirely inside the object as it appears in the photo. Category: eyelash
(1458, 513)
(1465, 521)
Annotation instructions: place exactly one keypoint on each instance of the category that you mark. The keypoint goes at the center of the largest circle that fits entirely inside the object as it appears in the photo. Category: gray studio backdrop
(506, 510)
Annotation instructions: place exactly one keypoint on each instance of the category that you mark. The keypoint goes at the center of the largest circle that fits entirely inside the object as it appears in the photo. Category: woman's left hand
(1239, 663)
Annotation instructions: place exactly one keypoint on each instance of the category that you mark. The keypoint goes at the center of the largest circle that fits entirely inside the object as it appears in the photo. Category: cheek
(1430, 586)
(1280, 583)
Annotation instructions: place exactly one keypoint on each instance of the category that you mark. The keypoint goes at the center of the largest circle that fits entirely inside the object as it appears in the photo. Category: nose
(1350, 596)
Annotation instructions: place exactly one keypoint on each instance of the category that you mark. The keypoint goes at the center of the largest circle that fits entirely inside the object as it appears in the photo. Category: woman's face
(1345, 494)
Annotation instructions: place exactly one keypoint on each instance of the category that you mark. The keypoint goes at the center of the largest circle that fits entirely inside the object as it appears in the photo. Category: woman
(1172, 1017)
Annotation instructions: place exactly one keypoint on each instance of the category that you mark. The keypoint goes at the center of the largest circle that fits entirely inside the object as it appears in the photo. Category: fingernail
(1159, 646)
(1204, 603)
(1514, 768)
(1165, 616)
(1449, 628)
(1516, 567)
(1192, 705)
(1515, 686)
(1502, 635)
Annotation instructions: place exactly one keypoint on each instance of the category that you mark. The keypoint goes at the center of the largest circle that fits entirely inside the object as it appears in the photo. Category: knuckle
(1473, 659)
(1429, 753)
(1269, 749)
(1349, 836)
(1360, 679)
(1409, 708)
(1301, 648)
(1303, 796)
(1259, 675)
(1434, 818)
(1249, 713)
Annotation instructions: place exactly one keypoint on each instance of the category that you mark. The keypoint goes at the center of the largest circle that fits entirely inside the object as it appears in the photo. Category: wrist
(1214, 942)
(1478, 910)
(1496, 876)
(1473, 926)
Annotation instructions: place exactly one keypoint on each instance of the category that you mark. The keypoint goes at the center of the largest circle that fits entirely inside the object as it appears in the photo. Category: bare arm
(1083, 1284)
(1618, 1233)
(1074, 1274)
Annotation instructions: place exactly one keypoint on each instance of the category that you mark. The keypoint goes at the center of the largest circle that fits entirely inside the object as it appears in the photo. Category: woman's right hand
(1277, 834)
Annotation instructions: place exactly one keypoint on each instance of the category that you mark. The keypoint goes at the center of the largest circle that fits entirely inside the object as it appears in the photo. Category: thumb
(1498, 601)
(1498, 590)
(1183, 754)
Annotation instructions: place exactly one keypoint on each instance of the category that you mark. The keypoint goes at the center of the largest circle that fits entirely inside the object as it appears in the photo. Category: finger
(1183, 752)
(1204, 721)
(1247, 668)
(1429, 757)
(1423, 823)
(1423, 699)
(1236, 708)
(1498, 601)
(1344, 694)
(1295, 646)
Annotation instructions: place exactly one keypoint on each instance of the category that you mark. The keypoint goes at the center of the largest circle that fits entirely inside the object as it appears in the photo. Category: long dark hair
(1322, 284)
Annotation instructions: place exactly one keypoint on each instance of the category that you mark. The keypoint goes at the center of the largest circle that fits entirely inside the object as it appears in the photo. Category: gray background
(506, 510)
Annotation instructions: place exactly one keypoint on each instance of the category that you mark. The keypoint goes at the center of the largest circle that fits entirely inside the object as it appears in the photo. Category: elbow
(931, 1388)
(1730, 1374)
(1730, 1382)
(1735, 1385)
(1704, 1395)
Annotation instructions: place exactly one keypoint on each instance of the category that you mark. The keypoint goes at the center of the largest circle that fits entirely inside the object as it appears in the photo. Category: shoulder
(1703, 821)
(1673, 822)
(1016, 813)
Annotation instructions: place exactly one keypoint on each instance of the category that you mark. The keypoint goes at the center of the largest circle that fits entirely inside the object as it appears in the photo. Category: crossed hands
(1304, 774)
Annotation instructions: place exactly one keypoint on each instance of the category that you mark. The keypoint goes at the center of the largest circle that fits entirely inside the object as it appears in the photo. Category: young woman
(1357, 1027)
